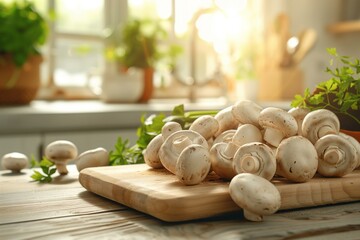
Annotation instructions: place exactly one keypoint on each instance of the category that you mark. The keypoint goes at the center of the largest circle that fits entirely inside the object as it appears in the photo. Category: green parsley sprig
(48, 169)
(340, 94)
(149, 128)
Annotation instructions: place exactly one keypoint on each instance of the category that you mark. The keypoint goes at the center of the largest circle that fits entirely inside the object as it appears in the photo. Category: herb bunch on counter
(150, 127)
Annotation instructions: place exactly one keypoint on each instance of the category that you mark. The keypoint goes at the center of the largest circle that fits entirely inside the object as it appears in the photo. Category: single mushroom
(247, 133)
(225, 136)
(278, 124)
(246, 111)
(299, 115)
(193, 164)
(59, 152)
(256, 158)
(257, 196)
(356, 144)
(319, 123)
(297, 159)
(151, 153)
(206, 125)
(14, 161)
(92, 158)
(221, 156)
(226, 120)
(337, 156)
(170, 150)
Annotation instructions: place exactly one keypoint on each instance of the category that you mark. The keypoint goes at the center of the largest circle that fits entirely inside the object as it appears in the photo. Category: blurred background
(205, 48)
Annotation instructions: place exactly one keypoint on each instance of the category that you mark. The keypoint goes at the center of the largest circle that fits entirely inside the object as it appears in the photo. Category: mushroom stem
(61, 168)
(325, 130)
(333, 155)
(273, 136)
(250, 163)
(252, 216)
(181, 142)
(230, 150)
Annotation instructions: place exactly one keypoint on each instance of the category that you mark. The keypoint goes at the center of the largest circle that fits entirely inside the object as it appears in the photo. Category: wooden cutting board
(160, 194)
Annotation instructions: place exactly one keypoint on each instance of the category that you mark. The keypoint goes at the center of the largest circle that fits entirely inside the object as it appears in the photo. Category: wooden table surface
(63, 209)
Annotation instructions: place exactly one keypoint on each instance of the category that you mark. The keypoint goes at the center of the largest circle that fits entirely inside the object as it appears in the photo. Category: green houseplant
(139, 43)
(22, 31)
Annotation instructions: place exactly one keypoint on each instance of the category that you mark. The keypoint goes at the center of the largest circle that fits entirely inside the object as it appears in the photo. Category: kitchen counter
(63, 209)
(55, 116)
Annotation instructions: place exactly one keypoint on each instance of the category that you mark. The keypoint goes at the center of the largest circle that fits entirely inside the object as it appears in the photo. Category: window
(74, 54)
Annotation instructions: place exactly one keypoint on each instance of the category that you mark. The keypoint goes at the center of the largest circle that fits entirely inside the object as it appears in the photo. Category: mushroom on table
(14, 161)
(60, 152)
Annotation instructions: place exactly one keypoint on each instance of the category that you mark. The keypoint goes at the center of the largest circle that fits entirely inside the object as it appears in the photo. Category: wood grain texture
(160, 194)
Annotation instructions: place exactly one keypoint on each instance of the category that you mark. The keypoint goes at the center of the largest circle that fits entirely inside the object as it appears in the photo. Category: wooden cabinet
(345, 27)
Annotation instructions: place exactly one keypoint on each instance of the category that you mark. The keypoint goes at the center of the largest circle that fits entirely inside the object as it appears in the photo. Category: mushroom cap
(193, 164)
(299, 115)
(172, 147)
(61, 151)
(319, 123)
(247, 133)
(92, 158)
(151, 153)
(255, 195)
(225, 136)
(337, 155)
(246, 111)
(226, 120)
(221, 160)
(297, 159)
(206, 125)
(256, 158)
(356, 144)
(14, 161)
(169, 128)
(277, 118)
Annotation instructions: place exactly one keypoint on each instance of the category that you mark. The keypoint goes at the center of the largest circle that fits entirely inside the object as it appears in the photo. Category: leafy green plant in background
(23, 30)
(150, 127)
(141, 43)
(340, 94)
(48, 169)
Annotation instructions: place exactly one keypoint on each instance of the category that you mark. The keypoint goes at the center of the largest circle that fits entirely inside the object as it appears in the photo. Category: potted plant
(340, 94)
(138, 44)
(22, 31)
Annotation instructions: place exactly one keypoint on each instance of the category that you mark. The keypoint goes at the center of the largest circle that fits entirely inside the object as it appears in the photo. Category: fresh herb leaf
(48, 169)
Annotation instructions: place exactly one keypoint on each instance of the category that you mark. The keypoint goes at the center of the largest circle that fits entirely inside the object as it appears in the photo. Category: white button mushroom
(193, 164)
(278, 124)
(337, 156)
(256, 158)
(297, 159)
(14, 161)
(299, 115)
(356, 144)
(246, 111)
(221, 156)
(226, 120)
(206, 125)
(319, 123)
(255, 195)
(151, 153)
(247, 133)
(59, 152)
(172, 147)
(225, 136)
(92, 158)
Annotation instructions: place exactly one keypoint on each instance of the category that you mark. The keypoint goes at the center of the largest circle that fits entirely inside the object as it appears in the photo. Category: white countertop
(44, 116)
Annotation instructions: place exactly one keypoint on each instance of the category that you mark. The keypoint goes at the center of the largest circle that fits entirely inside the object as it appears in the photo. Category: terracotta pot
(27, 82)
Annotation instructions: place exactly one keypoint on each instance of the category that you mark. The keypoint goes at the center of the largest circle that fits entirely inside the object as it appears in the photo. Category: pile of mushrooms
(248, 145)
